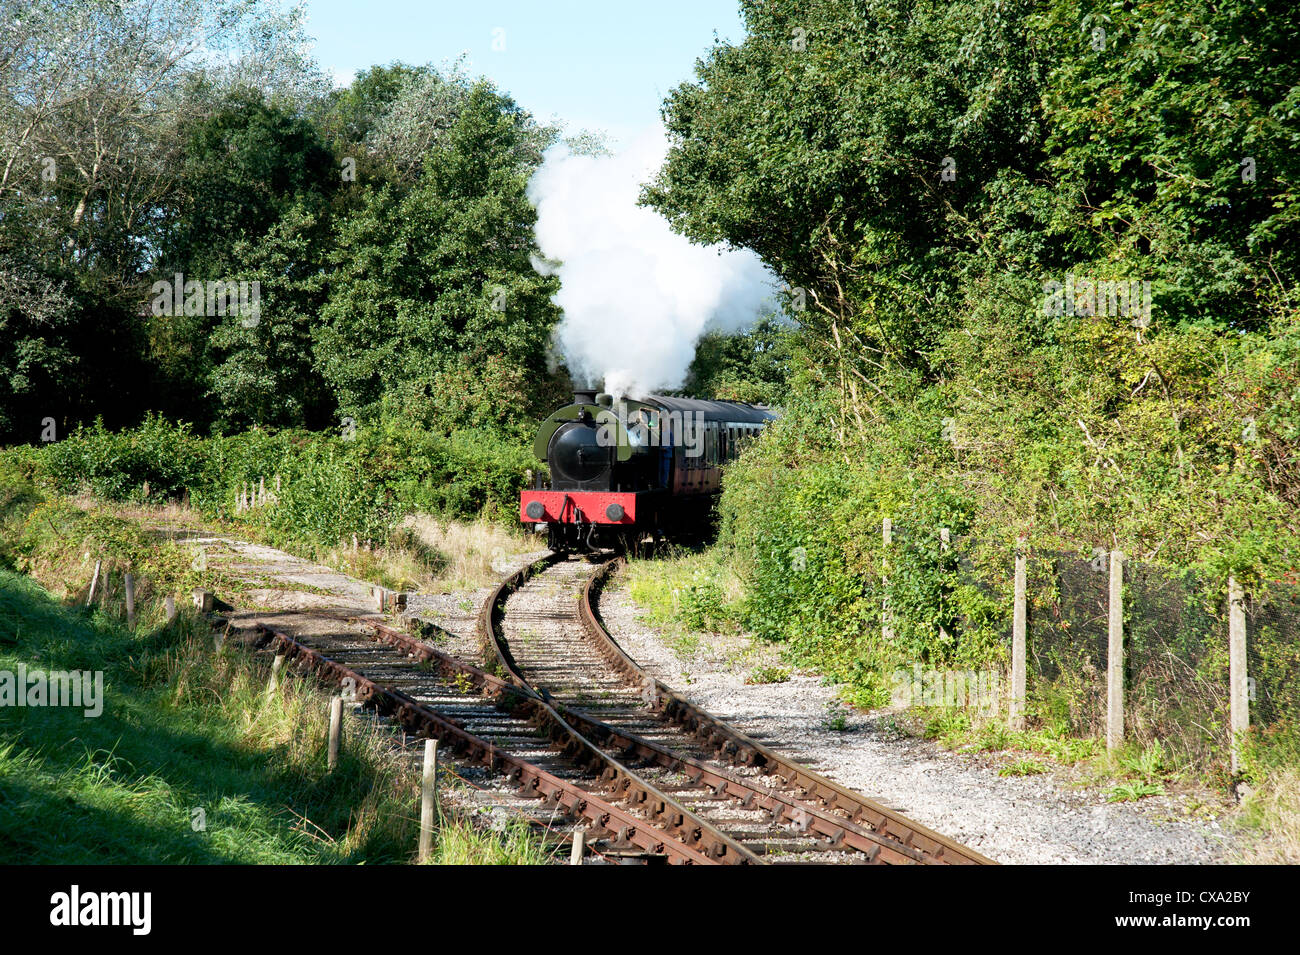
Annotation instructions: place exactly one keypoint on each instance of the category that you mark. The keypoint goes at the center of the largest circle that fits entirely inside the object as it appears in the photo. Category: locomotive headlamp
(535, 510)
(614, 512)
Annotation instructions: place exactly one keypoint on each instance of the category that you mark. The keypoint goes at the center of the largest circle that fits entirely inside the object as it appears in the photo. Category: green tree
(438, 279)
(932, 381)
(264, 373)
(752, 365)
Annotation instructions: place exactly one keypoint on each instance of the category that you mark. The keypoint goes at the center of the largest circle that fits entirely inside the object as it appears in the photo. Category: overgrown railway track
(565, 717)
(484, 720)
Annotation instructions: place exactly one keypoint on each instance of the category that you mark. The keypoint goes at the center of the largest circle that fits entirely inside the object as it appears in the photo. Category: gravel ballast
(1026, 819)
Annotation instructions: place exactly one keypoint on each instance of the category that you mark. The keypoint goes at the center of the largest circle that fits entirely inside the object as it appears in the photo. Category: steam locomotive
(622, 469)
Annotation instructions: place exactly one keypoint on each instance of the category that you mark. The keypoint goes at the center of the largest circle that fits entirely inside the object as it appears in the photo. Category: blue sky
(595, 65)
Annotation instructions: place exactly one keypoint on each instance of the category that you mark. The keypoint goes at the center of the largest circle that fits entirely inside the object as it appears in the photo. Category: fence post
(428, 798)
(944, 542)
(130, 600)
(169, 607)
(579, 846)
(886, 616)
(1115, 654)
(336, 731)
(94, 583)
(1019, 619)
(1238, 698)
(273, 684)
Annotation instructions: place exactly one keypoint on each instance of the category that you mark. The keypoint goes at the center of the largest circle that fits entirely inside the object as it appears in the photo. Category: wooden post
(130, 600)
(203, 600)
(579, 846)
(336, 731)
(886, 616)
(276, 665)
(1019, 621)
(379, 595)
(944, 543)
(428, 798)
(1115, 654)
(169, 607)
(94, 583)
(1238, 698)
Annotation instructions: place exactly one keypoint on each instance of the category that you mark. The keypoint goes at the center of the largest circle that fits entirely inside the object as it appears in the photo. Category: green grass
(685, 593)
(189, 734)
(1133, 791)
(768, 674)
(1023, 767)
(461, 844)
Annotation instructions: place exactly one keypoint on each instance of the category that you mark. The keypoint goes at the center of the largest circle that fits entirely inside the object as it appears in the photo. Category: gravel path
(1028, 819)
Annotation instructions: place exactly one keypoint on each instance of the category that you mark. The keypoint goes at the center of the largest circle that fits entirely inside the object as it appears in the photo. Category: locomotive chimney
(584, 396)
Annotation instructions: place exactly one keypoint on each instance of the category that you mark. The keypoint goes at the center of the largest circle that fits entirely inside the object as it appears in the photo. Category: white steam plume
(636, 296)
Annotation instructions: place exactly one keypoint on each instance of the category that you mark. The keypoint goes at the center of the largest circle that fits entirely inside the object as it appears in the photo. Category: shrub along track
(542, 631)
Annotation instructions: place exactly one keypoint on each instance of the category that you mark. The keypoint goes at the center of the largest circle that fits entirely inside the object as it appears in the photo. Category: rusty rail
(733, 745)
(835, 830)
(839, 815)
(685, 839)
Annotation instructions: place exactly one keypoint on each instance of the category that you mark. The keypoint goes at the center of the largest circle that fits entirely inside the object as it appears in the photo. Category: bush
(117, 466)
(322, 488)
(1267, 750)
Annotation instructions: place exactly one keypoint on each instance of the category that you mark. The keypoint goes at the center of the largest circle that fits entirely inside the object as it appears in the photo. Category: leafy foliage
(439, 277)
(923, 172)
(323, 488)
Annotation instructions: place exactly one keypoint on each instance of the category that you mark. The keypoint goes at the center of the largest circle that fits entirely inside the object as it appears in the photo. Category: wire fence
(1175, 634)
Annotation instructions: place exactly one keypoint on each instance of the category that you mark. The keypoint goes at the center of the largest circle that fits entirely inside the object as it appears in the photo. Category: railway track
(486, 721)
(542, 630)
(583, 736)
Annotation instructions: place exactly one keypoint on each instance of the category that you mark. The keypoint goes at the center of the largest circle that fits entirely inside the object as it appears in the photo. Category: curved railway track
(542, 630)
(565, 717)
(487, 721)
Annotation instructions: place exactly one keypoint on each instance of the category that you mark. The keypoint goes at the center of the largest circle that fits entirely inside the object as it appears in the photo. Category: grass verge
(191, 760)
